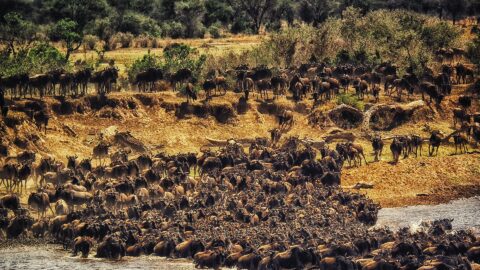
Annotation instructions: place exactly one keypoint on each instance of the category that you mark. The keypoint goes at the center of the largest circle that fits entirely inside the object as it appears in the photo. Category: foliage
(350, 100)
(41, 58)
(67, 31)
(473, 51)
(16, 33)
(405, 38)
(177, 56)
(190, 14)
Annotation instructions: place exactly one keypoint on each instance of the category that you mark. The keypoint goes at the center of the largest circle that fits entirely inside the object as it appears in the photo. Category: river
(465, 214)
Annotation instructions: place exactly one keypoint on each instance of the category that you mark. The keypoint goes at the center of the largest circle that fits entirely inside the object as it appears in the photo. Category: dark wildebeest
(461, 142)
(81, 79)
(396, 147)
(434, 142)
(220, 85)
(208, 86)
(361, 87)
(416, 143)
(275, 135)
(377, 145)
(10, 201)
(100, 151)
(180, 77)
(263, 86)
(105, 80)
(66, 84)
(464, 73)
(279, 84)
(40, 202)
(82, 244)
(432, 91)
(286, 119)
(248, 86)
(38, 82)
(146, 80)
(461, 116)
(190, 92)
(41, 118)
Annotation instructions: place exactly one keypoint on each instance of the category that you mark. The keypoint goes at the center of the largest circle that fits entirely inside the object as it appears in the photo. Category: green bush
(178, 55)
(90, 41)
(175, 29)
(350, 100)
(473, 51)
(41, 58)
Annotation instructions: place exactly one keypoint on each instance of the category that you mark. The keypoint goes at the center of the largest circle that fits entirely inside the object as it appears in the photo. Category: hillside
(162, 122)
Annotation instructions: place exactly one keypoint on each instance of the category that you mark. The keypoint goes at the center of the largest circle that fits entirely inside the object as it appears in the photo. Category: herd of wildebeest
(262, 208)
(275, 205)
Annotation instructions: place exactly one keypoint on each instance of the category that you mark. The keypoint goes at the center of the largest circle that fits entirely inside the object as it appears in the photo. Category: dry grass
(125, 57)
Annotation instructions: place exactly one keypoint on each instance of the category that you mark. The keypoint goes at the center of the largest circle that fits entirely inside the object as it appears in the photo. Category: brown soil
(164, 122)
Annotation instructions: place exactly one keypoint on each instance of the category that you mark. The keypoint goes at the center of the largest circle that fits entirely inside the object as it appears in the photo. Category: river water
(465, 214)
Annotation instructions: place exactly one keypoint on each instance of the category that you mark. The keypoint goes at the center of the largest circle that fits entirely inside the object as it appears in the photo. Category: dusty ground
(422, 180)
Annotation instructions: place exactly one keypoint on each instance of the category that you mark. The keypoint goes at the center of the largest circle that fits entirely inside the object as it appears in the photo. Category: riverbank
(419, 181)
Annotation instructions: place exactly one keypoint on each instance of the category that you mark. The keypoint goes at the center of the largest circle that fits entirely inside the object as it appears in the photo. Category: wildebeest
(464, 74)
(41, 118)
(146, 79)
(285, 119)
(432, 91)
(40, 202)
(396, 147)
(377, 145)
(190, 92)
(461, 142)
(100, 151)
(460, 115)
(105, 80)
(180, 77)
(434, 142)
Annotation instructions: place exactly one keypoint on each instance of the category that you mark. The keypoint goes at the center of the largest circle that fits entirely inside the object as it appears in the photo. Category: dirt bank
(163, 122)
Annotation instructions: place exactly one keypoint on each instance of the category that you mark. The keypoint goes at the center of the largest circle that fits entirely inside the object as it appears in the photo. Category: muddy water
(54, 257)
(465, 212)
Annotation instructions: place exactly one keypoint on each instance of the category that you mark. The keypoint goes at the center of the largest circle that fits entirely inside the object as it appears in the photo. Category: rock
(109, 132)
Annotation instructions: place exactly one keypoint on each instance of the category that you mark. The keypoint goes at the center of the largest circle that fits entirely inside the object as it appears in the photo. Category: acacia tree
(66, 30)
(16, 33)
(257, 10)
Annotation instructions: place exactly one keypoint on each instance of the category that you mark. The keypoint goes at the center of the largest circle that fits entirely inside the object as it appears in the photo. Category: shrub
(175, 29)
(350, 100)
(90, 41)
(473, 51)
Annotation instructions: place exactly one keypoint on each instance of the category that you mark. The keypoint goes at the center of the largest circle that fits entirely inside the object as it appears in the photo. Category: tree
(257, 10)
(80, 11)
(66, 30)
(317, 11)
(190, 13)
(16, 33)
(455, 8)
